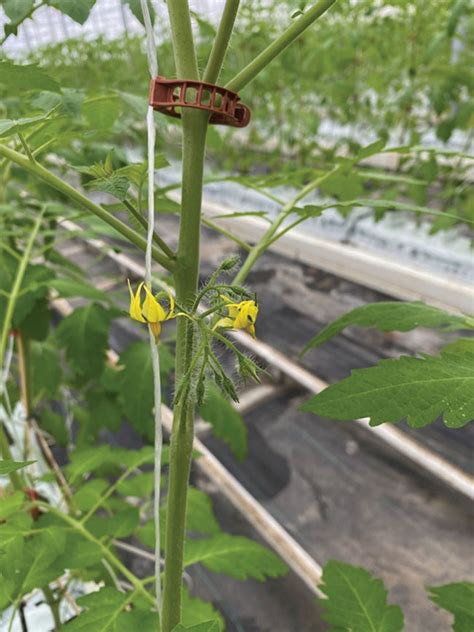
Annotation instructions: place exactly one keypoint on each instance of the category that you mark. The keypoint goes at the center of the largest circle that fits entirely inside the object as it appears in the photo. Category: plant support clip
(168, 96)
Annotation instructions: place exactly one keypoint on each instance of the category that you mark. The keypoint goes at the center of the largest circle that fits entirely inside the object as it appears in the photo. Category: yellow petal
(155, 330)
(251, 330)
(135, 308)
(232, 308)
(247, 315)
(152, 310)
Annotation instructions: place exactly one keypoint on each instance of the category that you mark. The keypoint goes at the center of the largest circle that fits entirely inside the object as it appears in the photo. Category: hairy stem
(186, 277)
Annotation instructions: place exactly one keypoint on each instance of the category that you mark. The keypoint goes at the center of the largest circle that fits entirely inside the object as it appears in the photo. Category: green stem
(269, 235)
(57, 183)
(106, 552)
(54, 606)
(256, 66)
(156, 238)
(223, 231)
(183, 41)
(186, 278)
(221, 42)
(7, 319)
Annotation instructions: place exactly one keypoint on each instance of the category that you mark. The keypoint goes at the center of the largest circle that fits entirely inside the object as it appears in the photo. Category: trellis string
(151, 139)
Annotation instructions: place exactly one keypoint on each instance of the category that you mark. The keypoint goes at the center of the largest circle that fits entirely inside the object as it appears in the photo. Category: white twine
(155, 358)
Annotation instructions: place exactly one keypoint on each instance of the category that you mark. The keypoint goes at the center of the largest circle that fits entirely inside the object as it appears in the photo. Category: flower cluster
(240, 316)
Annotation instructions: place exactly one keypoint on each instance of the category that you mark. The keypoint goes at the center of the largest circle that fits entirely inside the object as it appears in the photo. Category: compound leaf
(208, 626)
(136, 384)
(11, 466)
(416, 389)
(356, 601)
(18, 78)
(393, 316)
(78, 11)
(458, 599)
(197, 612)
(235, 556)
(84, 334)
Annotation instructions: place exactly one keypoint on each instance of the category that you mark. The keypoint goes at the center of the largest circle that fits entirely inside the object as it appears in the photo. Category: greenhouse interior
(236, 315)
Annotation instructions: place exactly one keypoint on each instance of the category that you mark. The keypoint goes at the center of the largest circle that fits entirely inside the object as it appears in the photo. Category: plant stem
(186, 277)
(57, 183)
(183, 41)
(156, 238)
(262, 60)
(269, 236)
(223, 231)
(7, 320)
(221, 42)
(107, 553)
(54, 606)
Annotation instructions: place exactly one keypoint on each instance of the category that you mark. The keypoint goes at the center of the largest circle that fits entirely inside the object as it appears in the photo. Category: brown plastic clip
(166, 95)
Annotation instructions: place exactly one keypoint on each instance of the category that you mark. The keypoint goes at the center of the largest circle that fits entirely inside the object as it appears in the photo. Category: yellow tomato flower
(150, 311)
(241, 316)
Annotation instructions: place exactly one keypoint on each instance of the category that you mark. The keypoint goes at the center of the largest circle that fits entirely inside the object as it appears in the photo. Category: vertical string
(155, 358)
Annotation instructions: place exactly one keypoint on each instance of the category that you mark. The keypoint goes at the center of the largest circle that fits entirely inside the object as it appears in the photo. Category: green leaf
(356, 601)
(136, 384)
(10, 504)
(458, 599)
(45, 370)
(140, 485)
(68, 287)
(91, 459)
(200, 517)
(101, 112)
(104, 410)
(235, 556)
(7, 466)
(343, 185)
(226, 421)
(208, 626)
(136, 9)
(370, 150)
(103, 609)
(194, 611)
(84, 334)
(90, 493)
(8, 127)
(78, 11)
(19, 78)
(79, 553)
(418, 389)
(114, 184)
(120, 525)
(16, 10)
(55, 425)
(36, 324)
(393, 316)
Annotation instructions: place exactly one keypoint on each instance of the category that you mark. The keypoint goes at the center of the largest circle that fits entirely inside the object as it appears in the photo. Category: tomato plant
(66, 137)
